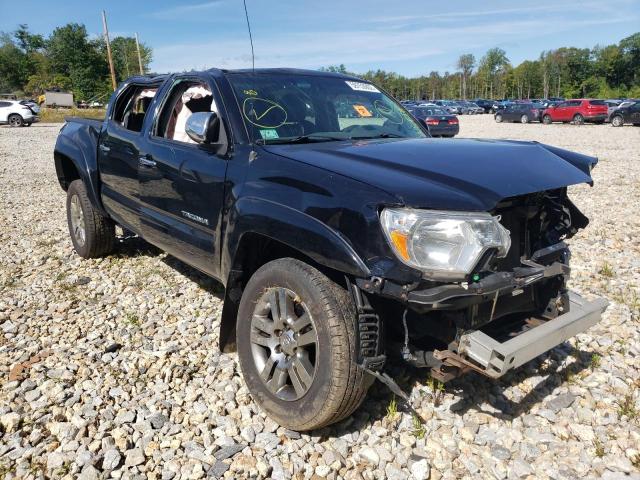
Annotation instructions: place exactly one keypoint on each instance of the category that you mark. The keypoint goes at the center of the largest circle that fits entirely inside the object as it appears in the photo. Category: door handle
(146, 162)
(104, 148)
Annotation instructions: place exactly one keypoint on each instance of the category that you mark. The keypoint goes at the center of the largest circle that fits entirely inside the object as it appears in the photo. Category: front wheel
(499, 118)
(547, 120)
(578, 119)
(297, 346)
(92, 234)
(617, 121)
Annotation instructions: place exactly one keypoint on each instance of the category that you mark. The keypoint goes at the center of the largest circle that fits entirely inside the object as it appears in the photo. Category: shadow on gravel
(476, 392)
(134, 246)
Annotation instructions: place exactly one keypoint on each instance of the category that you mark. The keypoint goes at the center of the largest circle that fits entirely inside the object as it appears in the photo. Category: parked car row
(578, 111)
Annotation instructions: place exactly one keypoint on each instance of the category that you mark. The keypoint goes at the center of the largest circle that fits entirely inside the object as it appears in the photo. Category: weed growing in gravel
(627, 407)
(132, 319)
(437, 390)
(595, 361)
(606, 270)
(418, 428)
(392, 408)
(46, 243)
(599, 447)
(635, 460)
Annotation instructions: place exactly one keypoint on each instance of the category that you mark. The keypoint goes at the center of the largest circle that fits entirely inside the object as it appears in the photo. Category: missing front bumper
(478, 351)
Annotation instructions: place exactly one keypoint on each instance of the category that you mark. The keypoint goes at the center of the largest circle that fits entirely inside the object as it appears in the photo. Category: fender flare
(293, 228)
(75, 148)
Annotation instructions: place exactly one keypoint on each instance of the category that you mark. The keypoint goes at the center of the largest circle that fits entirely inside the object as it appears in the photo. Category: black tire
(524, 119)
(338, 386)
(547, 120)
(27, 124)
(99, 231)
(617, 121)
(15, 120)
(498, 118)
(578, 119)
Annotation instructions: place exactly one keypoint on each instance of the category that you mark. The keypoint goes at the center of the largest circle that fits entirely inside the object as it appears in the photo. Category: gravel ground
(109, 368)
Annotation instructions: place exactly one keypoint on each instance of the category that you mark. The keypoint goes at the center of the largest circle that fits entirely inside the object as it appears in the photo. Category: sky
(411, 37)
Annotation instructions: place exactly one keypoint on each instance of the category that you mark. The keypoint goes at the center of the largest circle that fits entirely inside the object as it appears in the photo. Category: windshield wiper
(298, 139)
(382, 135)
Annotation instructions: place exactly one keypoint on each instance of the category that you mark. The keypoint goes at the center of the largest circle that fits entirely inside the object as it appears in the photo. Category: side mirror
(203, 127)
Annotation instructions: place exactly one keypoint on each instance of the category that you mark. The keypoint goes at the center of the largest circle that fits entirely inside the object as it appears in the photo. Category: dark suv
(519, 112)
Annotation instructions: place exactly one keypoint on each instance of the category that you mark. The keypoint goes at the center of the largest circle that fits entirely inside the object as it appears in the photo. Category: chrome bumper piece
(495, 358)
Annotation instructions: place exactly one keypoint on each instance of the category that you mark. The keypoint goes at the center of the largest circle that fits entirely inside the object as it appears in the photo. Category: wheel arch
(261, 232)
(71, 164)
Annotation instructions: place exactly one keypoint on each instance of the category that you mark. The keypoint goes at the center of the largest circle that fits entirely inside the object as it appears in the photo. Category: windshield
(278, 108)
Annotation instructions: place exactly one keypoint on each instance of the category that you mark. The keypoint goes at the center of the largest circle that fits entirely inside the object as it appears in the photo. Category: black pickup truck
(342, 233)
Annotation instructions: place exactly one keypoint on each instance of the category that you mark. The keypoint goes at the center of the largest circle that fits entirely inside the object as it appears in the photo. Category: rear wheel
(578, 119)
(547, 120)
(15, 120)
(617, 121)
(524, 119)
(296, 346)
(27, 124)
(92, 234)
(499, 118)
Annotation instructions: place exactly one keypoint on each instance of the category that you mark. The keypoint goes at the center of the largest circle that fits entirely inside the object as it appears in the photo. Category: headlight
(443, 242)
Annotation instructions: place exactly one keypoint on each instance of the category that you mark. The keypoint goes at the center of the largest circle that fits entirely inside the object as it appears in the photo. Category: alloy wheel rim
(617, 121)
(77, 221)
(284, 343)
(14, 121)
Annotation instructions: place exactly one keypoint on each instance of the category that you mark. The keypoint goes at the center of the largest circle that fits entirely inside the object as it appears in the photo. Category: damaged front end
(510, 307)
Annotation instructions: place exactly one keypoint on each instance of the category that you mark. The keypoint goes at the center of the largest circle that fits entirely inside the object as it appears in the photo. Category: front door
(182, 182)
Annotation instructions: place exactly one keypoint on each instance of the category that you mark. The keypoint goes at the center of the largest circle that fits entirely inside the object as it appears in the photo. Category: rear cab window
(132, 106)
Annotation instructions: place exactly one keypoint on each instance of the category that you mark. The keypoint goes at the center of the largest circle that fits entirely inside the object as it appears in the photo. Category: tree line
(611, 71)
(68, 59)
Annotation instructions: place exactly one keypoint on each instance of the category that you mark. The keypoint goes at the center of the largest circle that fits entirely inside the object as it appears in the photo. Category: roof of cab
(286, 71)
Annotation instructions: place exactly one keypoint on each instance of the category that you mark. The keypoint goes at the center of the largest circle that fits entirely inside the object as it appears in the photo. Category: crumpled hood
(445, 174)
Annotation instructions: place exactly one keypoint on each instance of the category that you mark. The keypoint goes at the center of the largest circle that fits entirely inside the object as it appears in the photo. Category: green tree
(466, 64)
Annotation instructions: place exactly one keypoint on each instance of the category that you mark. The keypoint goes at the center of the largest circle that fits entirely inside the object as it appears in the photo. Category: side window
(575, 103)
(185, 98)
(132, 105)
(5, 104)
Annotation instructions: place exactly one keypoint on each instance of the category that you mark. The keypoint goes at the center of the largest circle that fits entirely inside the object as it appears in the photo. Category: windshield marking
(272, 106)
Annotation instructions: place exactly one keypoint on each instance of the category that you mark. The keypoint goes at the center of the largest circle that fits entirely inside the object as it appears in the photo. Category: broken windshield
(285, 108)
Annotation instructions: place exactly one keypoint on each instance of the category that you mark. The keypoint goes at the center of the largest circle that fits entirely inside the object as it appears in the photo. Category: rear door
(181, 182)
(118, 153)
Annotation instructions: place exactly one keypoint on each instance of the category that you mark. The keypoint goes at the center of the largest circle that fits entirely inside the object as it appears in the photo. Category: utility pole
(139, 56)
(106, 37)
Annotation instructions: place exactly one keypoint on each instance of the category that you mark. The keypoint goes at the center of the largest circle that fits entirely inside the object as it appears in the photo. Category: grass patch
(598, 447)
(627, 407)
(132, 319)
(595, 361)
(606, 270)
(437, 390)
(56, 115)
(418, 428)
(392, 408)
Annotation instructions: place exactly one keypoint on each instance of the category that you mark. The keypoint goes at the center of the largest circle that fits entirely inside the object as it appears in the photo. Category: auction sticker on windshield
(362, 111)
(362, 87)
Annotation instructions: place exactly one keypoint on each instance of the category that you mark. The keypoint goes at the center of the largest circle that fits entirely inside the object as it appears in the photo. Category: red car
(577, 111)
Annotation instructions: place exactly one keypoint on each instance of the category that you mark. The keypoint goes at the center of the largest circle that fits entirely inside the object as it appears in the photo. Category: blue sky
(411, 37)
